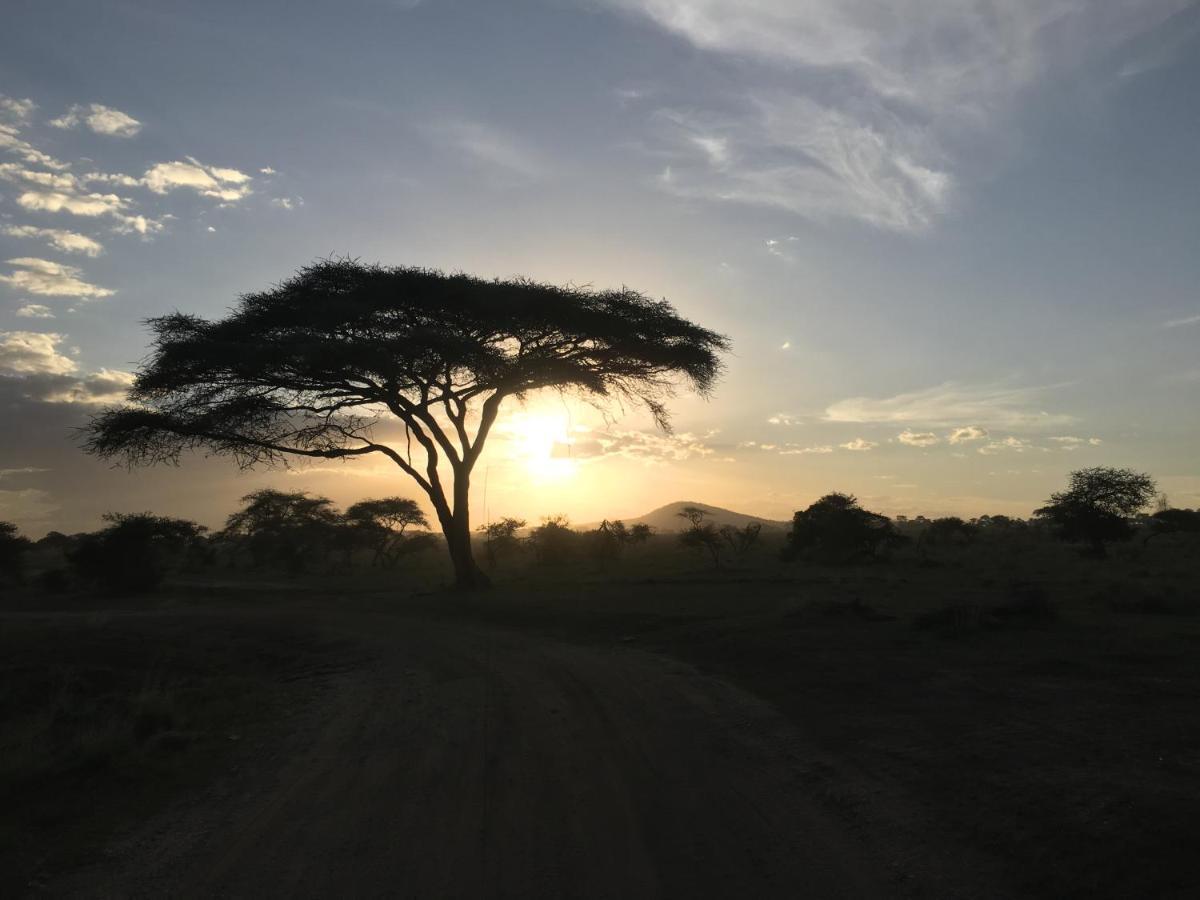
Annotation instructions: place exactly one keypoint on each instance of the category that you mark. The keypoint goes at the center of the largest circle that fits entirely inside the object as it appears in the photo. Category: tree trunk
(467, 575)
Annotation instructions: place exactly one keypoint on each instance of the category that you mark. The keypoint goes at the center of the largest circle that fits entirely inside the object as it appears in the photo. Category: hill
(666, 518)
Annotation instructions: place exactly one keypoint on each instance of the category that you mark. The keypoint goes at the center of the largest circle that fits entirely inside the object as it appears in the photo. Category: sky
(955, 243)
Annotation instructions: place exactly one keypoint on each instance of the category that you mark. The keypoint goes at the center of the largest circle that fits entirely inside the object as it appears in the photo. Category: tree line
(295, 532)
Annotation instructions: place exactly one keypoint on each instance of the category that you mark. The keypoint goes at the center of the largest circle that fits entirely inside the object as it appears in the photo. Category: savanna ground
(1000, 720)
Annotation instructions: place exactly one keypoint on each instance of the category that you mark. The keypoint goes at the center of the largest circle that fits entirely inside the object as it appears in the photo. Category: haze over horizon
(955, 251)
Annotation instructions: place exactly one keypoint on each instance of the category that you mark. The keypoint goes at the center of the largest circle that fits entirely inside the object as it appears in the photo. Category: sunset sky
(956, 248)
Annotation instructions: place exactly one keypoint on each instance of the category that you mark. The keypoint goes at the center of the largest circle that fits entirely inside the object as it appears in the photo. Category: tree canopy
(1096, 506)
(312, 366)
(837, 529)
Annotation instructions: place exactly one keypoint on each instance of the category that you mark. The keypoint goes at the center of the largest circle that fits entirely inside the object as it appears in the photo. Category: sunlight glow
(542, 441)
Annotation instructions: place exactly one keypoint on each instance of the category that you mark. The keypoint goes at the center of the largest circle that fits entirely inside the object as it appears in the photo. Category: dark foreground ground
(829, 735)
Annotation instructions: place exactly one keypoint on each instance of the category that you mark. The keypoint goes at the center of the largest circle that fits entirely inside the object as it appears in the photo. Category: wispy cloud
(51, 279)
(1180, 323)
(996, 405)
(855, 110)
(1013, 444)
(793, 450)
(66, 241)
(35, 311)
(490, 148)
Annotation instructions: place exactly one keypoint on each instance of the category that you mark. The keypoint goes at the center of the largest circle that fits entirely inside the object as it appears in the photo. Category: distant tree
(1096, 507)
(55, 540)
(13, 548)
(741, 540)
(289, 529)
(134, 553)
(381, 525)
(1174, 521)
(553, 541)
(500, 539)
(836, 529)
(694, 514)
(704, 537)
(609, 540)
(948, 531)
(640, 533)
(309, 367)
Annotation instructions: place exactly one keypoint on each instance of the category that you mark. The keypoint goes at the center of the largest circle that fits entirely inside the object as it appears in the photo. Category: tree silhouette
(13, 547)
(312, 366)
(134, 552)
(500, 538)
(288, 528)
(836, 529)
(382, 524)
(1096, 506)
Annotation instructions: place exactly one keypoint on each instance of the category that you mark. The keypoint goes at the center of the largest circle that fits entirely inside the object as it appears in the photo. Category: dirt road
(470, 761)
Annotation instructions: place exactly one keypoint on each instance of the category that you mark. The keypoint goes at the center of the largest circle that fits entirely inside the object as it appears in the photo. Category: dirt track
(468, 761)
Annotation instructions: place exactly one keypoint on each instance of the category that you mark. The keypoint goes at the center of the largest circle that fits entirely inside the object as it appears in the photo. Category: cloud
(786, 345)
(77, 204)
(852, 109)
(783, 419)
(267, 170)
(10, 142)
(105, 387)
(66, 241)
(100, 119)
(990, 404)
(33, 353)
(226, 185)
(966, 434)
(35, 311)
(795, 154)
(288, 203)
(15, 110)
(1179, 323)
(1070, 442)
(643, 446)
(859, 444)
(1015, 444)
(51, 279)
(917, 439)
(490, 149)
(33, 361)
(791, 450)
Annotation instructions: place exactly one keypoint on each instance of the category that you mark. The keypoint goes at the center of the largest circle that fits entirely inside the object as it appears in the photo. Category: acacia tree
(314, 366)
(1097, 505)
(383, 523)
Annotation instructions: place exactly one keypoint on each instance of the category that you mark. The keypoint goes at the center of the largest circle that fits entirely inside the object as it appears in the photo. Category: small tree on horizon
(837, 529)
(1097, 505)
(312, 367)
(382, 523)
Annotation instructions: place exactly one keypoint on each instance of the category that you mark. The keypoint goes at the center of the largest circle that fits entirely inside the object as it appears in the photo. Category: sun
(542, 442)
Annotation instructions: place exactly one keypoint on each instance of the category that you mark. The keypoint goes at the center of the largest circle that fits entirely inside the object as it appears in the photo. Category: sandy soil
(463, 760)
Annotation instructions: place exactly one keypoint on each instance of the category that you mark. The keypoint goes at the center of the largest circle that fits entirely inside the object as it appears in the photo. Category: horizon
(952, 270)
